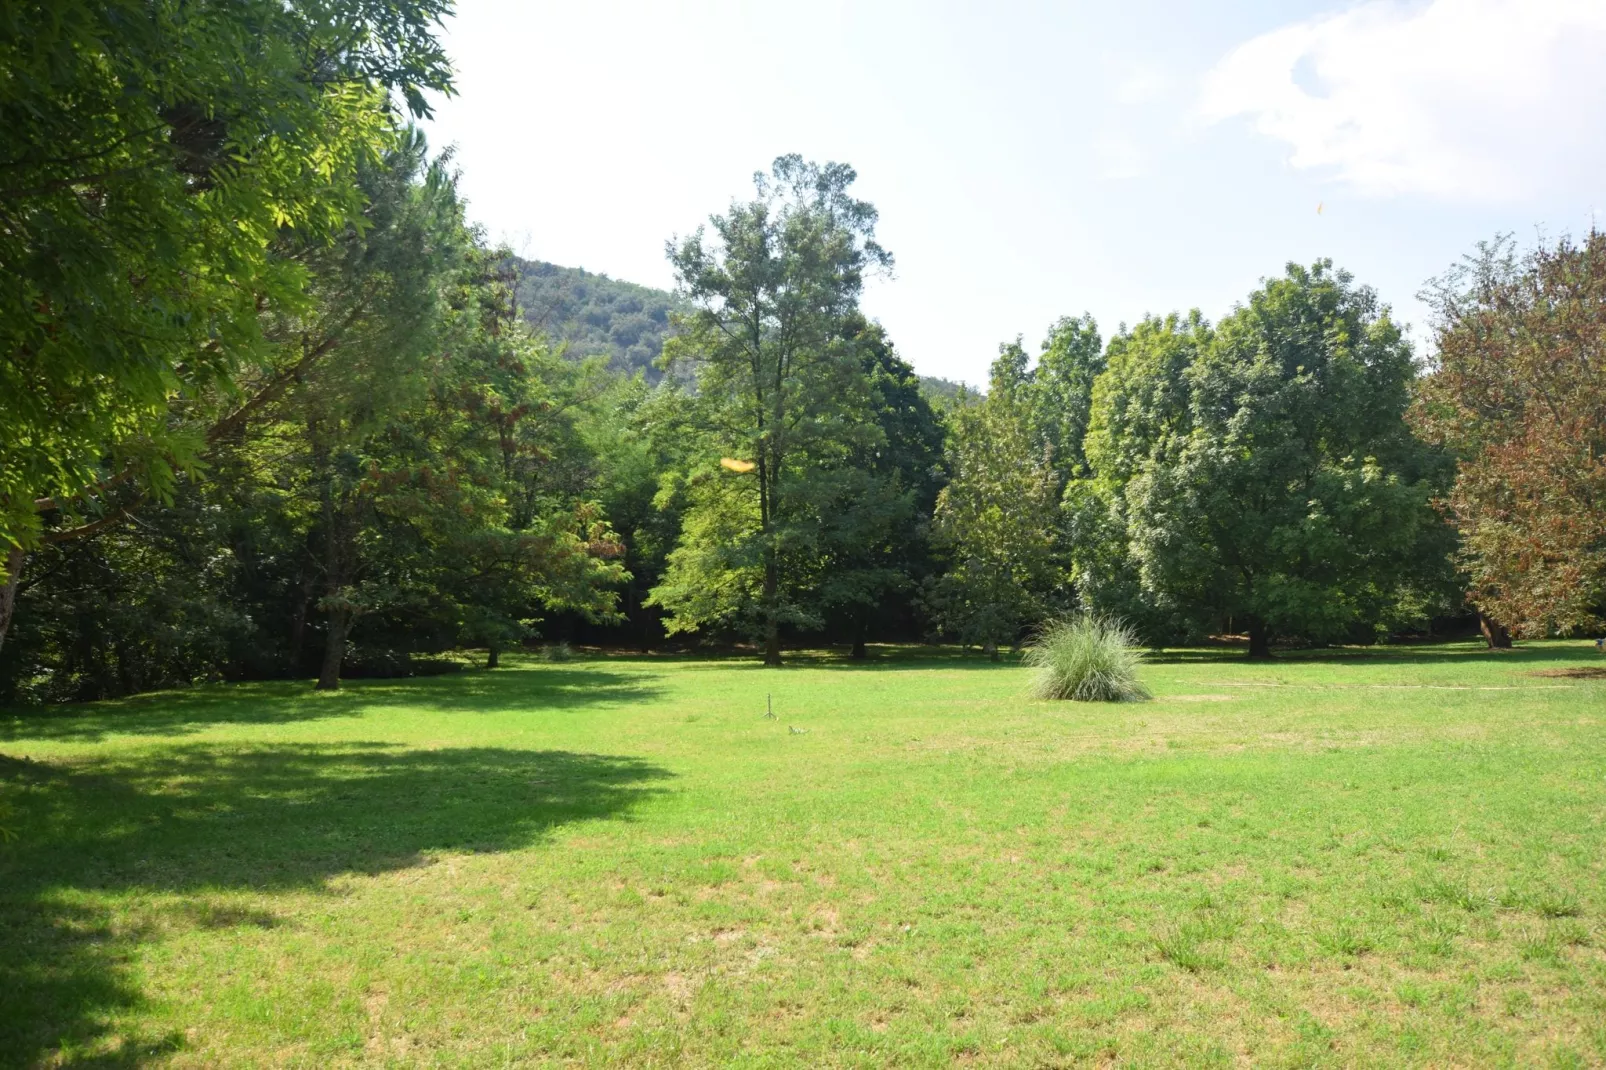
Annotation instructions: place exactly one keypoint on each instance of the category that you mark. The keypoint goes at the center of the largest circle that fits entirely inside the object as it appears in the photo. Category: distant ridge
(591, 314)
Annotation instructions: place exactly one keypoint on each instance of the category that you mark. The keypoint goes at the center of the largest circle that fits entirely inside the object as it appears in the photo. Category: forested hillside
(590, 314)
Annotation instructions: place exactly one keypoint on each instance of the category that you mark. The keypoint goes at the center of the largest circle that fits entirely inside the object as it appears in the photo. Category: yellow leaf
(734, 465)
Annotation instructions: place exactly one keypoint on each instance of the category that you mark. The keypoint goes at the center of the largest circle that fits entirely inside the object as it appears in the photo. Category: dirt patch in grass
(1573, 672)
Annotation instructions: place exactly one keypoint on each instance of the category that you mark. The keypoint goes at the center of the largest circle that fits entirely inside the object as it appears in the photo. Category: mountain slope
(591, 314)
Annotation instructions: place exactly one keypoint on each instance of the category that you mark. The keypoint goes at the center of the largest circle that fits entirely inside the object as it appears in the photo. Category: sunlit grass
(1383, 860)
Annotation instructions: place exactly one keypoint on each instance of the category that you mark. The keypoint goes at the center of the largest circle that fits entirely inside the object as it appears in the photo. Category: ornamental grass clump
(1087, 658)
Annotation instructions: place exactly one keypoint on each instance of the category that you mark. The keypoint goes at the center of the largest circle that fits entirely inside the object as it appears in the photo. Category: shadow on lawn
(883, 657)
(198, 819)
(1576, 652)
(169, 713)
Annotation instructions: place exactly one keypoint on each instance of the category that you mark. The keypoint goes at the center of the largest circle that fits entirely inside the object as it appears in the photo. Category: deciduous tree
(155, 153)
(1518, 391)
(1274, 482)
(781, 381)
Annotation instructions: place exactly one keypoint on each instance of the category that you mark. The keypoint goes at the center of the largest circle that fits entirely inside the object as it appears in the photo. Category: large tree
(1269, 478)
(996, 521)
(1518, 390)
(155, 153)
(781, 380)
(877, 528)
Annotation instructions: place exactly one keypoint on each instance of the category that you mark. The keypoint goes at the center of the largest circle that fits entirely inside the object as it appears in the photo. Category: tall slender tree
(774, 292)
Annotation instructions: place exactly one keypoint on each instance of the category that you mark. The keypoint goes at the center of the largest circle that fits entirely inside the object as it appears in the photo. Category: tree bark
(772, 643)
(298, 623)
(772, 627)
(859, 651)
(8, 593)
(1259, 639)
(1497, 635)
(334, 651)
(991, 650)
(493, 658)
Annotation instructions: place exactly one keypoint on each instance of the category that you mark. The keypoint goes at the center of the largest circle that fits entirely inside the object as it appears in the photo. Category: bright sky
(1033, 160)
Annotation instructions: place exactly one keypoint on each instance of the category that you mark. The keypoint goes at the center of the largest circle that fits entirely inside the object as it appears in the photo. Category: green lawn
(1383, 859)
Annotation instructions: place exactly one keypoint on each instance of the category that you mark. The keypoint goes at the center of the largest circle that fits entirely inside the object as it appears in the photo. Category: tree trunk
(858, 648)
(298, 624)
(990, 648)
(772, 643)
(334, 651)
(8, 593)
(493, 658)
(1259, 639)
(772, 627)
(1497, 635)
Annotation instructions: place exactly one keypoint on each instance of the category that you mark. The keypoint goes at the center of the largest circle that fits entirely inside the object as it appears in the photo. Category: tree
(154, 155)
(876, 523)
(1138, 404)
(378, 317)
(418, 486)
(1060, 392)
(1268, 477)
(996, 520)
(782, 386)
(1518, 391)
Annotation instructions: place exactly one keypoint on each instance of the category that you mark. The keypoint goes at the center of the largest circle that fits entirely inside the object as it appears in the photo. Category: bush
(1087, 658)
(556, 652)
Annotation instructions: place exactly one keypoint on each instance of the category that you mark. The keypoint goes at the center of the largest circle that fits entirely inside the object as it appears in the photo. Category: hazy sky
(1032, 160)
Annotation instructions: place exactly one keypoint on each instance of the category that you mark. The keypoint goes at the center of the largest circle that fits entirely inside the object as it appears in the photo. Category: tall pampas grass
(1087, 658)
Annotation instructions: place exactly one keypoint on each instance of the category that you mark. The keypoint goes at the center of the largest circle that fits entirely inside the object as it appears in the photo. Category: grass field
(1354, 860)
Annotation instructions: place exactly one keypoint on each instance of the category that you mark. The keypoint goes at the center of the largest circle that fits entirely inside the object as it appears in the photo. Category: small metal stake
(769, 707)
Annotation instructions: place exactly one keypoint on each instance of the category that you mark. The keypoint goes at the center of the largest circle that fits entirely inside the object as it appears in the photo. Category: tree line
(271, 407)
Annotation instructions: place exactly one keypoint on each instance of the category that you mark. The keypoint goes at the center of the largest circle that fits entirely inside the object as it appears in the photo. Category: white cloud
(1460, 98)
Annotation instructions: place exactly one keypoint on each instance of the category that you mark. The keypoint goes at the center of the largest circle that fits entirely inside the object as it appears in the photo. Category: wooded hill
(590, 314)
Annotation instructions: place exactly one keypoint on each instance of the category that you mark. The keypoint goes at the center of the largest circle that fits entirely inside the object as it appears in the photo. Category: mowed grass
(1354, 860)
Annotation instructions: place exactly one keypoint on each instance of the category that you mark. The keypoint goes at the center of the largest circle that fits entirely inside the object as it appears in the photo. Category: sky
(1035, 160)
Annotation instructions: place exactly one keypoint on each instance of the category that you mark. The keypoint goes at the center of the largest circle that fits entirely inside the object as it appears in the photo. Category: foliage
(155, 153)
(1059, 394)
(876, 517)
(996, 521)
(1262, 472)
(942, 394)
(780, 383)
(404, 456)
(1088, 659)
(591, 315)
(1518, 391)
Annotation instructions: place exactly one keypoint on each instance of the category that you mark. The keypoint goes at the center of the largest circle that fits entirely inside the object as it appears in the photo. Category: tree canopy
(1262, 470)
(782, 387)
(1518, 391)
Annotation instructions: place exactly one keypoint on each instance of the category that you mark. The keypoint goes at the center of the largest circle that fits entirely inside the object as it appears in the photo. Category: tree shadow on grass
(882, 657)
(168, 713)
(200, 819)
(1446, 653)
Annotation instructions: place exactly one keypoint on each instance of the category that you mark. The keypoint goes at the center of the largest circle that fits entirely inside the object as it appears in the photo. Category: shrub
(1087, 658)
(556, 652)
